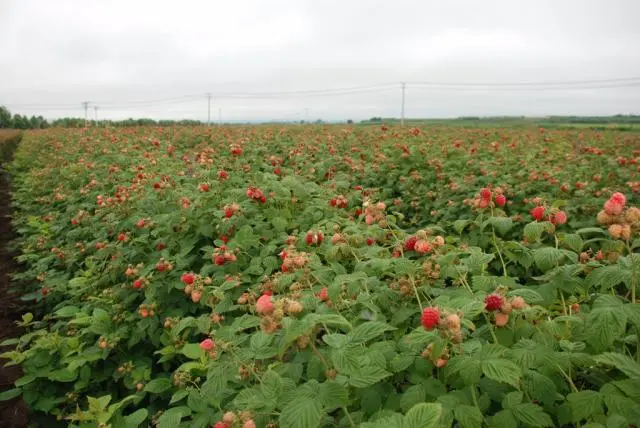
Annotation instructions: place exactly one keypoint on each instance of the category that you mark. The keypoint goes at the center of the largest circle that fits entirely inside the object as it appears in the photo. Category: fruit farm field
(328, 276)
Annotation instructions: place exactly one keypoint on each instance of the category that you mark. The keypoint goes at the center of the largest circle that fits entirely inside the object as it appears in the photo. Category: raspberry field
(328, 276)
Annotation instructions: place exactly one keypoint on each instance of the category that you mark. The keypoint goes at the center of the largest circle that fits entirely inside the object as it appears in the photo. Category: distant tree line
(17, 121)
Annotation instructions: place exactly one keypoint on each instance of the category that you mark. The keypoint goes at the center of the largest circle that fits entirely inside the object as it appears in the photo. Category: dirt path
(13, 413)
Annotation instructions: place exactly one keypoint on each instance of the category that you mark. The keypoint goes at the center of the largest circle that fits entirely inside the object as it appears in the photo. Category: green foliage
(304, 311)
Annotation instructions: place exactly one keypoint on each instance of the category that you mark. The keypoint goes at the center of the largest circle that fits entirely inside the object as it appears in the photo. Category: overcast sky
(158, 58)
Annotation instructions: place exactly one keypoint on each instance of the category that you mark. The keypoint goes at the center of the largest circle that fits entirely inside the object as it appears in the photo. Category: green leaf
(367, 376)
(584, 404)
(367, 331)
(605, 326)
(503, 419)
(533, 231)
(459, 225)
(67, 311)
(271, 385)
(159, 385)
(136, 418)
(530, 414)
(530, 296)
(623, 363)
(423, 415)
(512, 399)
(546, 258)
(330, 320)
(192, 350)
(539, 387)
(502, 370)
(10, 393)
(468, 416)
(501, 224)
(333, 395)
(335, 340)
(303, 412)
(573, 241)
(171, 418)
(178, 395)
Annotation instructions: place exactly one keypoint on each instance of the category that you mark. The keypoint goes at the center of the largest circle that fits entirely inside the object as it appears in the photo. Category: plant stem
(633, 273)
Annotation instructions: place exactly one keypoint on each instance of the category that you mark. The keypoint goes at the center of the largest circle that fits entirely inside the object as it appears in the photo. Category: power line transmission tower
(209, 97)
(402, 108)
(85, 104)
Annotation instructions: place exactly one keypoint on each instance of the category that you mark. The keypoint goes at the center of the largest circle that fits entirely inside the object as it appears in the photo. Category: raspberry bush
(328, 276)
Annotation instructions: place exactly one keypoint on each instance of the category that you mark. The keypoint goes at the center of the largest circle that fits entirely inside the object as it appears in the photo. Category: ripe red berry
(219, 259)
(228, 213)
(137, 283)
(537, 213)
(204, 187)
(276, 171)
(619, 198)
(188, 278)
(493, 302)
(370, 241)
(207, 345)
(333, 202)
(160, 246)
(410, 243)
(485, 193)
(323, 294)
(501, 200)
(559, 218)
(430, 318)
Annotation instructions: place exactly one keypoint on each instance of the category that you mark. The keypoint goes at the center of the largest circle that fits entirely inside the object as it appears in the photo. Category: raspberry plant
(328, 276)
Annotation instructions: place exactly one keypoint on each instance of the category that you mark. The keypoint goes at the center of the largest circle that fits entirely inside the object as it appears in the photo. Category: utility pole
(219, 117)
(209, 96)
(95, 113)
(402, 109)
(85, 104)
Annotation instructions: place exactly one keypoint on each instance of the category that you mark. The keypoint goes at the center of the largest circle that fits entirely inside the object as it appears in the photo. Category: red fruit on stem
(501, 200)
(485, 193)
(264, 305)
(410, 243)
(537, 213)
(430, 318)
(188, 278)
(207, 345)
(493, 302)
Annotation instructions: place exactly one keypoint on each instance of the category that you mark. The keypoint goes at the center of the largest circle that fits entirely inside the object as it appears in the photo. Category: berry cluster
(623, 221)
(422, 242)
(256, 194)
(501, 307)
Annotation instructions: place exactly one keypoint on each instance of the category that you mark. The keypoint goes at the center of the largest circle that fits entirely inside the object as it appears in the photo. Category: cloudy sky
(282, 59)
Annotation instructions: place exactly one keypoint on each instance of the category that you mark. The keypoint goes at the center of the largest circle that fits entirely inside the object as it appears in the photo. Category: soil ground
(13, 413)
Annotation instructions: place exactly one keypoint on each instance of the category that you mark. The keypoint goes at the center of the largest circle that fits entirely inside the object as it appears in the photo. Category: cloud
(58, 54)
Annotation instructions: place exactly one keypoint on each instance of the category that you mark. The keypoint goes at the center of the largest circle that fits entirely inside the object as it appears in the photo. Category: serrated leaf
(532, 415)
(623, 363)
(136, 418)
(303, 412)
(539, 387)
(171, 418)
(178, 395)
(502, 370)
(192, 350)
(423, 415)
(584, 404)
(533, 231)
(459, 225)
(271, 385)
(333, 395)
(468, 416)
(546, 258)
(573, 241)
(605, 326)
(367, 331)
(158, 385)
(501, 224)
(530, 296)
(367, 376)
(10, 394)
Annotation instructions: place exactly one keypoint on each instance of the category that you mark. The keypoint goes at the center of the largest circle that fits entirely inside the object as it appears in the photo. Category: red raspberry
(370, 241)
(219, 259)
(137, 283)
(430, 318)
(228, 213)
(537, 213)
(410, 243)
(188, 278)
(501, 200)
(619, 198)
(333, 202)
(485, 193)
(559, 218)
(493, 302)
(207, 345)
